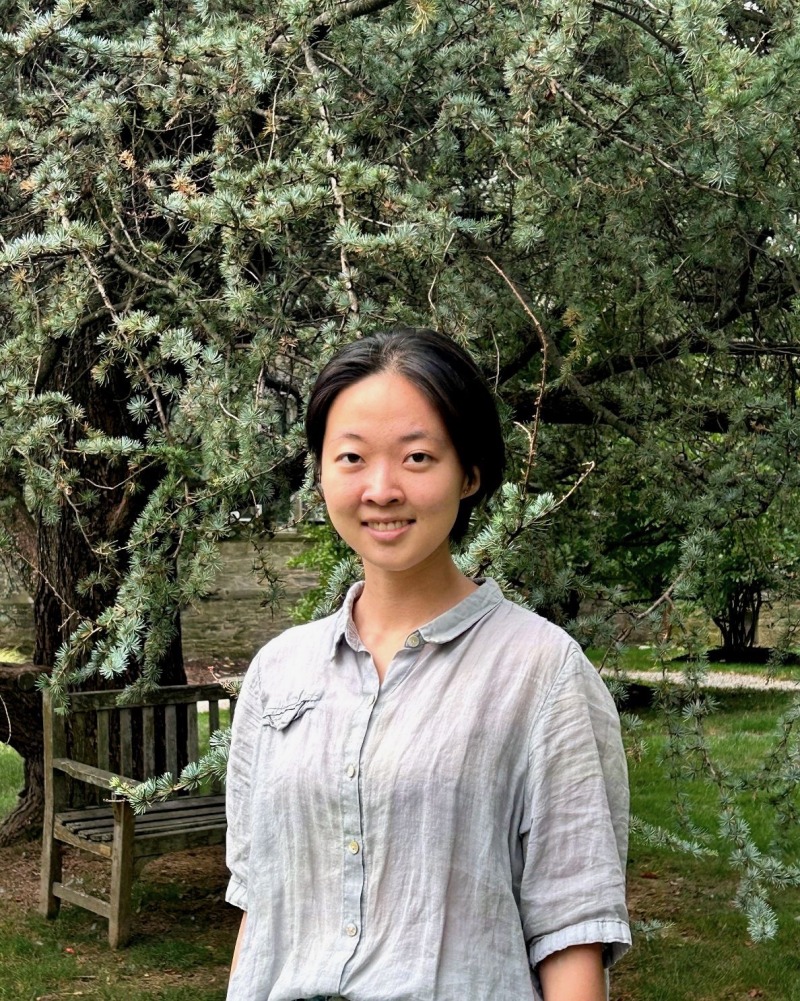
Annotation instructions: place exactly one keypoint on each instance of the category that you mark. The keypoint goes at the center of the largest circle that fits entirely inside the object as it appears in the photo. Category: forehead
(384, 405)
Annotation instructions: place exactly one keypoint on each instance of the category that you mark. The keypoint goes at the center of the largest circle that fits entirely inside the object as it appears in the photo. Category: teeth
(386, 526)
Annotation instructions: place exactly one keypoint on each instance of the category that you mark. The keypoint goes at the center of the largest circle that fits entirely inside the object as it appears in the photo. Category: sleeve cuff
(236, 894)
(614, 935)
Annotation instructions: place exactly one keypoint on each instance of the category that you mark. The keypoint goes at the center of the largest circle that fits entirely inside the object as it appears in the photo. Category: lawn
(704, 953)
(644, 657)
(184, 932)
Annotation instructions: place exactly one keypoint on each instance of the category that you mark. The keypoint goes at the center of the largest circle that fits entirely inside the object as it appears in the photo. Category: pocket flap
(286, 710)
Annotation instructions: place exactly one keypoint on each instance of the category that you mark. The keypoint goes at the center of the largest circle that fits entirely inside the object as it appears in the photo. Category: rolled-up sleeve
(575, 831)
(241, 761)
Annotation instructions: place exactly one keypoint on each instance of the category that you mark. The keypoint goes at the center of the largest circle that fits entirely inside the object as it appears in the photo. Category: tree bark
(65, 557)
(21, 530)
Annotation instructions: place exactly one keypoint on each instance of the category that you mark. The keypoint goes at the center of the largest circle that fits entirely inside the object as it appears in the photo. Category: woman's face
(390, 475)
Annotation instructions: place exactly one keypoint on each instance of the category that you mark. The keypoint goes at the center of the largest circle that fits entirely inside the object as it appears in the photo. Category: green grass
(739, 733)
(42, 960)
(643, 658)
(705, 953)
(10, 778)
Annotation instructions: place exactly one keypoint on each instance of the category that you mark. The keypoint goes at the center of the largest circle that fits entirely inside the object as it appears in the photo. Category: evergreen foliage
(201, 200)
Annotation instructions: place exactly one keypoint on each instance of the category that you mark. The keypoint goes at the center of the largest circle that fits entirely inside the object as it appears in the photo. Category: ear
(471, 483)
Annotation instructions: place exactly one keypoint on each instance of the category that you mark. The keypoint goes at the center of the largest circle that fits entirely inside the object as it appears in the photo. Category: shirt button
(351, 771)
(373, 699)
(414, 640)
(354, 847)
(351, 930)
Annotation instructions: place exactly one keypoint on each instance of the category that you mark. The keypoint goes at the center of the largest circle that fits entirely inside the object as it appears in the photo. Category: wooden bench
(98, 741)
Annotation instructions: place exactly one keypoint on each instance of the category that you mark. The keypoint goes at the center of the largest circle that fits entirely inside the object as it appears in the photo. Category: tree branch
(590, 119)
(322, 26)
(658, 355)
(330, 156)
(601, 412)
(667, 44)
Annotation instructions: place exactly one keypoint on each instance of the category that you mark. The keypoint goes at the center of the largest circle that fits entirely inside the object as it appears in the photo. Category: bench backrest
(159, 733)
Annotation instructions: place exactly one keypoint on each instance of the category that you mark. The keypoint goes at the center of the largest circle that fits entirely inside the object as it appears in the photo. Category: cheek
(336, 494)
(443, 499)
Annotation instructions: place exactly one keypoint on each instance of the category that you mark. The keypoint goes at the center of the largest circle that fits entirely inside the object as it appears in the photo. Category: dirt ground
(183, 901)
(199, 872)
(206, 670)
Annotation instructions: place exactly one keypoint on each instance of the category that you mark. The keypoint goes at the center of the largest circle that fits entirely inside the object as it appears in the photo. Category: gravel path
(720, 679)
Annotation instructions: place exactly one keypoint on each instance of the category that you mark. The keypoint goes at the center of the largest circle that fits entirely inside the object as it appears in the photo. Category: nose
(381, 486)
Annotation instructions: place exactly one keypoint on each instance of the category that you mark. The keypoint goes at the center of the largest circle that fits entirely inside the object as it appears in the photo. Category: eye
(349, 458)
(419, 458)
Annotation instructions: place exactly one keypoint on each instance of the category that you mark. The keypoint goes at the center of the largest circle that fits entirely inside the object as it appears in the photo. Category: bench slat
(171, 739)
(182, 803)
(103, 753)
(160, 844)
(213, 725)
(125, 742)
(195, 817)
(63, 833)
(192, 746)
(149, 740)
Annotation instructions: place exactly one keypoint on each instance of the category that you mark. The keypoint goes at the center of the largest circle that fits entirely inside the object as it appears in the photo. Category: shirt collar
(442, 629)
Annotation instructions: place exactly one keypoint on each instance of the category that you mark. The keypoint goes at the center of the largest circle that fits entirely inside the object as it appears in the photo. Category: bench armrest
(89, 774)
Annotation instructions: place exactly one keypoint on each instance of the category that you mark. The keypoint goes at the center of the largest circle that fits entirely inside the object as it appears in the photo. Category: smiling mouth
(386, 526)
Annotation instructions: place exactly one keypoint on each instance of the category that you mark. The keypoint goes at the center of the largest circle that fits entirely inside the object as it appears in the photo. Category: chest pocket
(283, 710)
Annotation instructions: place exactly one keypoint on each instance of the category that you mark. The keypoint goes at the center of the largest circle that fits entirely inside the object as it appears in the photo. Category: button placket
(352, 826)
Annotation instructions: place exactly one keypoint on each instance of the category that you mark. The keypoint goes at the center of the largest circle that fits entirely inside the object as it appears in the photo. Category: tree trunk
(65, 555)
(20, 528)
(738, 623)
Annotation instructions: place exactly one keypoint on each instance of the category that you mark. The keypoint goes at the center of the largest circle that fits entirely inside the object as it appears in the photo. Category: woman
(427, 792)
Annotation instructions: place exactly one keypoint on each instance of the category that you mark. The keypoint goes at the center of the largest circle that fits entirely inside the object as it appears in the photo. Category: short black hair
(450, 380)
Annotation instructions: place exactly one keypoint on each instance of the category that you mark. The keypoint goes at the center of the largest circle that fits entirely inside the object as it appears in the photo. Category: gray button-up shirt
(433, 838)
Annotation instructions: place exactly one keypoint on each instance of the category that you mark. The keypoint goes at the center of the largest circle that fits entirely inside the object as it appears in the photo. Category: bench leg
(49, 903)
(119, 922)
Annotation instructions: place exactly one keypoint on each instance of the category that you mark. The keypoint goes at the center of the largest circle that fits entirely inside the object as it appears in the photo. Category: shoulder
(535, 628)
(530, 639)
(295, 657)
(310, 634)
(543, 656)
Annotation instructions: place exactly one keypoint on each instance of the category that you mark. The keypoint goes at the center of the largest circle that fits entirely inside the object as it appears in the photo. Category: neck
(404, 600)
